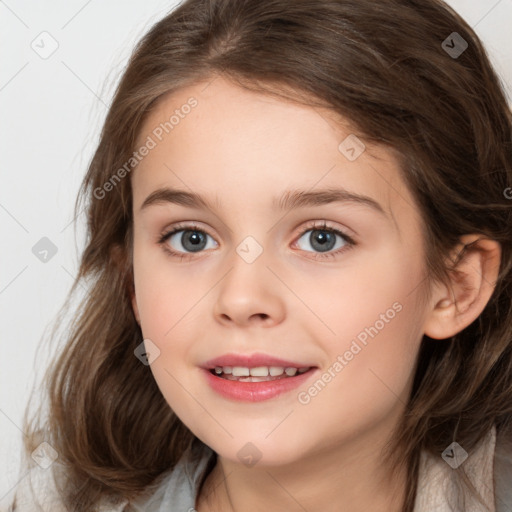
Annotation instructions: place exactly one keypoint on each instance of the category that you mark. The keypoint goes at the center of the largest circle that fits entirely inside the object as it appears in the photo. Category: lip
(255, 391)
(251, 361)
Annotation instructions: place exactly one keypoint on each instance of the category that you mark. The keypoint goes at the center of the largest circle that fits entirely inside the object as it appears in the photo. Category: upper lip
(251, 361)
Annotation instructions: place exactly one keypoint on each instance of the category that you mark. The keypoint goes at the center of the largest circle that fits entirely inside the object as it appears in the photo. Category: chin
(257, 452)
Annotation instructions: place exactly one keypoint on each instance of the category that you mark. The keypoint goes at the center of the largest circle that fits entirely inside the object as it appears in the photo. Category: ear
(472, 282)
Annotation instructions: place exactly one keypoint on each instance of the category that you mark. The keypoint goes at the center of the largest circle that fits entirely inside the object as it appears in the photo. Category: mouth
(257, 383)
(257, 373)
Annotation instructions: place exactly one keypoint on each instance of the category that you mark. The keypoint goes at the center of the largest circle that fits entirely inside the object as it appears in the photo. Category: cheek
(366, 384)
(166, 296)
(372, 357)
(169, 319)
(371, 334)
(365, 294)
(172, 316)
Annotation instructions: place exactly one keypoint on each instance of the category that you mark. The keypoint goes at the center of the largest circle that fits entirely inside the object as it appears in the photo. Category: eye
(183, 240)
(324, 239)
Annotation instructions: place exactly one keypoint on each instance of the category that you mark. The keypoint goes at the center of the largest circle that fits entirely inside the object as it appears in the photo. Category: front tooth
(240, 371)
(276, 370)
(228, 370)
(259, 371)
(290, 371)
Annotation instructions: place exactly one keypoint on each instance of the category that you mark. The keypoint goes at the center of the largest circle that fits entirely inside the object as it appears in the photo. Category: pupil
(319, 239)
(193, 241)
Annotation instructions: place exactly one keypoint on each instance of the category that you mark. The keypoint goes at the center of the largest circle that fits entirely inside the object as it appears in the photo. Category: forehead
(216, 138)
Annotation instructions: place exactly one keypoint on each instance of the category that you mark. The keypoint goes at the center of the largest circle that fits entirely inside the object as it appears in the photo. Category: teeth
(252, 379)
(258, 372)
(240, 371)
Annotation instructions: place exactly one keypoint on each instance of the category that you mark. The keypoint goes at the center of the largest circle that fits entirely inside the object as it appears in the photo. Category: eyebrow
(290, 199)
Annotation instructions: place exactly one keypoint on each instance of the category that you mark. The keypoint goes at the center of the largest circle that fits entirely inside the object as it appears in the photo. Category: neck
(354, 478)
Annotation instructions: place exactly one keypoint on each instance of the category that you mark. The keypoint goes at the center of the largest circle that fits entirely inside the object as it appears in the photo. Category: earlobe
(472, 282)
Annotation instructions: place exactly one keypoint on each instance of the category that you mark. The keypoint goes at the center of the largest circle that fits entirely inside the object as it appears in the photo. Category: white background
(51, 111)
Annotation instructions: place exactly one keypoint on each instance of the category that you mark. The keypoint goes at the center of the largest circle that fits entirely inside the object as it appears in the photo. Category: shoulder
(503, 473)
(37, 491)
(488, 466)
(176, 489)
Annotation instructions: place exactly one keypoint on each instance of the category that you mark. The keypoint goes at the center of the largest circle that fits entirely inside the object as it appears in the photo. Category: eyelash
(349, 241)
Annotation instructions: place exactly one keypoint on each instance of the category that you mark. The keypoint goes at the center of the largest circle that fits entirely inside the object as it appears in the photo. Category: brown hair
(382, 66)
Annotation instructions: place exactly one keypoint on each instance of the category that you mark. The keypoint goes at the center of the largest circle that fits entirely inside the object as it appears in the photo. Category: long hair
(386, 67)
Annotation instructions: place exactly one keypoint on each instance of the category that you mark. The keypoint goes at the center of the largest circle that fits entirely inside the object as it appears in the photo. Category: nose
(249, 294)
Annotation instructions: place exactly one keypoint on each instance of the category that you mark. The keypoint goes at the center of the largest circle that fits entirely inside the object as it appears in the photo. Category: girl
(299, 269)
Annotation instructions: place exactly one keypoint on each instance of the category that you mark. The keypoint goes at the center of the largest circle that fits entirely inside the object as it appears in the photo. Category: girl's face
(279, 255)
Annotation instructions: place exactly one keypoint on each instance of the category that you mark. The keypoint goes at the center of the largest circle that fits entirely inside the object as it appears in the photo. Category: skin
(242, 149)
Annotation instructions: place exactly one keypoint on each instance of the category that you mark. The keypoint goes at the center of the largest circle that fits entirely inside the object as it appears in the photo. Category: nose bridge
(247, 292)
(249, 250)
(248, 267)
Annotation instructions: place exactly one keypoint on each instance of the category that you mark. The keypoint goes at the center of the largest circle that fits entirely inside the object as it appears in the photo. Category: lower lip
(255, 391)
